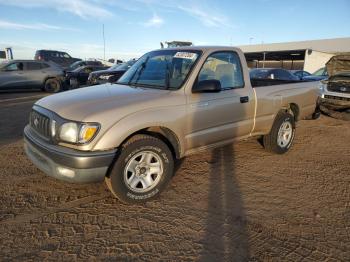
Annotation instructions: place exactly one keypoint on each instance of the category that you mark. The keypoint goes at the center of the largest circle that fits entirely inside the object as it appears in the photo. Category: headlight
(69, 132)
(322, 85)
(78, 133)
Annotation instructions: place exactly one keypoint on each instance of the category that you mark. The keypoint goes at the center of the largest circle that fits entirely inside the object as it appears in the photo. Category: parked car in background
(320, 74)
(77, 64)
(6, 54)
(110, 75)
(336, 89)
(171, 103)
(61, 58)
(80, 75)
(300, 73)
(29, 74)
(272, 73)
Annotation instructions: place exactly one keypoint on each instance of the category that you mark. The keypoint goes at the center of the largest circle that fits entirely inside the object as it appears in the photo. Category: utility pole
(104, 42)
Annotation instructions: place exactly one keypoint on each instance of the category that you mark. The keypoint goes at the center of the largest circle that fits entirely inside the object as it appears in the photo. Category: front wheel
(282, 133)
(142, 170)
(52, 85)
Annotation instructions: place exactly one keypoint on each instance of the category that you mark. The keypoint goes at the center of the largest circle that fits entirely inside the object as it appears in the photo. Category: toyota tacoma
(171, 103)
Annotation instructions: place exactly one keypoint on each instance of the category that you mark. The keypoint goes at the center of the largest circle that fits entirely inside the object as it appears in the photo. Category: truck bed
(257, 82)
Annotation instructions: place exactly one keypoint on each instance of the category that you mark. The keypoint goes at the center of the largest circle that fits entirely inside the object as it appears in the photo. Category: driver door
(225, 115)
(12, 75)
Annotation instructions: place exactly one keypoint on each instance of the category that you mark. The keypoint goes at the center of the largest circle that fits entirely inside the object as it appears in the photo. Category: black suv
(61, 58)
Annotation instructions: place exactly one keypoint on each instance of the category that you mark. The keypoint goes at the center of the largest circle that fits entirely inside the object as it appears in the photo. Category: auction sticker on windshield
(186, 55)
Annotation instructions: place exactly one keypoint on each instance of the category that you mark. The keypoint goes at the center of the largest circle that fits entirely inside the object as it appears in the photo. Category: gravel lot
(235, 203)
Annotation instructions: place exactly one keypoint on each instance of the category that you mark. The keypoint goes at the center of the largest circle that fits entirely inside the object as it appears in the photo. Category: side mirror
(207, 86)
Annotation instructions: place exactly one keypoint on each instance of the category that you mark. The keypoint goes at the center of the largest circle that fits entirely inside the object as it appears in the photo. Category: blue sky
(133, 27)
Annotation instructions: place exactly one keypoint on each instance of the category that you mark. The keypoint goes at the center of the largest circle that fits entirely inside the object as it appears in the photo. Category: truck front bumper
(65, 163)
(335, 101)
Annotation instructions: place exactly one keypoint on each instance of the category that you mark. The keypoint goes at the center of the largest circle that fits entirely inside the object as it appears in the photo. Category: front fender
(172, 118)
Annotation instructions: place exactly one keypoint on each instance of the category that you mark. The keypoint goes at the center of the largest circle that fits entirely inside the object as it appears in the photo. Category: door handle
(244, 99)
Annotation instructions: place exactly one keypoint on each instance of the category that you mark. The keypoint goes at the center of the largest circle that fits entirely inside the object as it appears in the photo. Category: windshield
(75, 65)
(123, 66)
(114, 67)
(320, 72)
(164, 69)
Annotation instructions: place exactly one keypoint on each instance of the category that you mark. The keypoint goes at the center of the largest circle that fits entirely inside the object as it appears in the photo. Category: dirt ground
(235, 203)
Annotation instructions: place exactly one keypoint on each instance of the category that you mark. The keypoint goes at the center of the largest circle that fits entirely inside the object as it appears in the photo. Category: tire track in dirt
(25, 218)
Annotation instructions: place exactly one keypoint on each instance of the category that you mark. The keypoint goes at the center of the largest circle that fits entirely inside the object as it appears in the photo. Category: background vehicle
(272, 73)
(111, 74)
(336, 89)
(320, 74)
(30, 74)
(300, 73)
(173, 44)
(61, 58)
(6, 54)
(77, 64)
(80, 75)
(169, 104)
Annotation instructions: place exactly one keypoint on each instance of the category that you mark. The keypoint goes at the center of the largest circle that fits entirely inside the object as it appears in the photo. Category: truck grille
(341, 87)
(40, 123)
(337, 98)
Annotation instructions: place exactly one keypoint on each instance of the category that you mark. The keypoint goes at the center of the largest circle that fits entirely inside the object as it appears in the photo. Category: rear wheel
(142, 170)
(52, 85)
(282, 133)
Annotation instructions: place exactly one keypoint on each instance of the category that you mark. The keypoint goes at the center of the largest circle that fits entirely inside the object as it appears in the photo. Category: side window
(224, 67)
(65, 55)
(2, 54)
(33, 66)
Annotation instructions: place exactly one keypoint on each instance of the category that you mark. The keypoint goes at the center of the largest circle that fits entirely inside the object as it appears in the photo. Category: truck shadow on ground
(225, 236)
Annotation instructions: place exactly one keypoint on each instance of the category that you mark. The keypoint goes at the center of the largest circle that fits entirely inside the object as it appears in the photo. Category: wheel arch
(51, 77)
(293, 109)
(163, 133)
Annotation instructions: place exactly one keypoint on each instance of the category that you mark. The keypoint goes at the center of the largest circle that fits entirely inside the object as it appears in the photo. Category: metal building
(307, 55)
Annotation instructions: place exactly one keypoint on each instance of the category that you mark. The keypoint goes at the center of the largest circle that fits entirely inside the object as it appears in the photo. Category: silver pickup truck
(171, 103)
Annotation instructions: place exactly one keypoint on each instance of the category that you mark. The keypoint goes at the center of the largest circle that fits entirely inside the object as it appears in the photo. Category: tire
(131, 179)
(282, 133)
(52, 85)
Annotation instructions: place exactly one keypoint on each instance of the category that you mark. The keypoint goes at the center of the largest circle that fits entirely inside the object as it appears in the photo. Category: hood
(102, 72)
(338, 64)
(92, 103)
